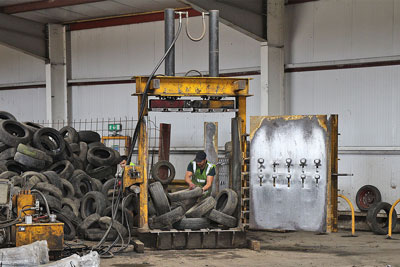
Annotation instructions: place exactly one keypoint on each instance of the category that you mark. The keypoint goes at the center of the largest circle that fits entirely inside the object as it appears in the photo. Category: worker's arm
(188, 179)
(209, 183)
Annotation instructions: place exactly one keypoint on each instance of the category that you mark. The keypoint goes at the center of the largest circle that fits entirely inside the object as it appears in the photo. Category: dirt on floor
(278, 249)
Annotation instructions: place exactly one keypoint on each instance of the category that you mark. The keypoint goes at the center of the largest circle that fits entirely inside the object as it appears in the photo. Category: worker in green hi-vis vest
(200, 173)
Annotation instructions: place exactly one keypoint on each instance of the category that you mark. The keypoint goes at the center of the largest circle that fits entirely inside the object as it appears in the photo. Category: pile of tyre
(191, 209)
(73, 170)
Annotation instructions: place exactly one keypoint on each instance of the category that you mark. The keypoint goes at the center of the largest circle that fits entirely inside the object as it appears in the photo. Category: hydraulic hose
(187, 28)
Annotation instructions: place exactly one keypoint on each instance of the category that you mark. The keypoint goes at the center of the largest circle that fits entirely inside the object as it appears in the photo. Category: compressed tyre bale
(163, 164)
(166, 220)
(222, 218)
(82, 183)
(29, 162)
(63, 168)
(34, 153)
(92, 202)
(226, 201)
(160, 200)
(89, 136)
(201, 208)
(192, 223)
(67, 188)
(54, 179)
(101, 156)
(4, 115)
(69, 134)
(70, 204)
(7, 154)
(185, 194)
(115, 224)
(69, 228)
(13, 133)
(56, 139)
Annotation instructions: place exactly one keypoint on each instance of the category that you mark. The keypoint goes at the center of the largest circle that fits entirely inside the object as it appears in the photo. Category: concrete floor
(279, 249)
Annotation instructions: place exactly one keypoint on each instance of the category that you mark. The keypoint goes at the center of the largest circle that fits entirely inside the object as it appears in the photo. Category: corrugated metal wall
(366, 99)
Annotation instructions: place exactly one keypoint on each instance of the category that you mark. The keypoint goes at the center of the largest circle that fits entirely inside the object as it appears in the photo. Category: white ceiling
(93, 10)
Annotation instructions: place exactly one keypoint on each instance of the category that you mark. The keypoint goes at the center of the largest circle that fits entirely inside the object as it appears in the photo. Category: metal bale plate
(294, 203)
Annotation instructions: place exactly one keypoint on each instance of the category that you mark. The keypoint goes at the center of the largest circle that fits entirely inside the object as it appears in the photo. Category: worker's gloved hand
(192, 186)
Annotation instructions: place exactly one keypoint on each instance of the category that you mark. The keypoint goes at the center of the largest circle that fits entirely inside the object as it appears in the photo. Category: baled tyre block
(89, 136)
(69, 228)
(69, 134)
(201, 208)
(34, 153)
(226, 201)
(155, 171)
(50, 141)
(192, 223)
(101, 156)
(7, 154)
(375, 224)
(13, 133)
(185, 194)
(166, 220)
(29, 162)
(116, 225)
(93, 202)
(160, 200)
(49, 189)
(68, 203)
(53, 178)
(222, 218)
(63, 168)
(4, 115)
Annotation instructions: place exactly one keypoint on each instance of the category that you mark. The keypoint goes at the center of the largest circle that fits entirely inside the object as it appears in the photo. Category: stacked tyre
(190, 209)
(72, 169)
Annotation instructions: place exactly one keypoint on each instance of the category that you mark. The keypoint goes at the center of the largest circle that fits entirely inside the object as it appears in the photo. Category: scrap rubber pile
(73, 171)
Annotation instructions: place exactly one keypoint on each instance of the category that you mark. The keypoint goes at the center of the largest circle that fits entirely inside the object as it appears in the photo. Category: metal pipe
(213, 56)
(353, 219)
(169, 29)
(391, 219)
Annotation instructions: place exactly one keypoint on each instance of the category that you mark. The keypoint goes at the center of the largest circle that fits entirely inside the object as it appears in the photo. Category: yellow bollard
(353, 219)
(390, 218)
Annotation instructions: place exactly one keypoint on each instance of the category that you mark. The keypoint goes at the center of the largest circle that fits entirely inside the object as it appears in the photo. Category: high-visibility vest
(199, 178)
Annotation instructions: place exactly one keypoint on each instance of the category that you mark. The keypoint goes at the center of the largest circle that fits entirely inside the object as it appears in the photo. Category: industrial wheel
(68, 203)
(380, 225)
(53, 178)
(367, 196)
(14, 166)
(89, 136)
(50, 141)
(67, 188)
(102, 172)
(69, 134)
(101, 156)
(160, 200)
(4, 115)
(226, 201)
(82, 183)
(32, 127)
(160, 165)
(13, 133)
(69, 228)
(63, 168)
(93, 202)
(67, 154)
(166, 220)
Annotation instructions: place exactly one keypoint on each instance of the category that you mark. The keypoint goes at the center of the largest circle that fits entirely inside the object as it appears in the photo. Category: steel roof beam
(44, 4)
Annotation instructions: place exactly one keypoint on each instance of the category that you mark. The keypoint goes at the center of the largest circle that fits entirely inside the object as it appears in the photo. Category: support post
(164, 146)
(272, 97)
(169, 29)
(211, 149)
(56, 75)
(213, 59)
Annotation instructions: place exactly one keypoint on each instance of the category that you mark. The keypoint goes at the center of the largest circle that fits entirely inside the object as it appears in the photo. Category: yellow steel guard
(53, 233)
(353, 220)
(390, 218)
(25, 200)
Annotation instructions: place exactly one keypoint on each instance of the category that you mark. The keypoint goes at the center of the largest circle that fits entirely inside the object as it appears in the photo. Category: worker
(200, 173)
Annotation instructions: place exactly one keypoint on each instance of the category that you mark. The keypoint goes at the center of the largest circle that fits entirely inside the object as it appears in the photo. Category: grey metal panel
(279, 202)
(22, 34)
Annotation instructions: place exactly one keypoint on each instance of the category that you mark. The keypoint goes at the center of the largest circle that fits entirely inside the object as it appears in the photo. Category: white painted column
(56, 75)
(272, 62)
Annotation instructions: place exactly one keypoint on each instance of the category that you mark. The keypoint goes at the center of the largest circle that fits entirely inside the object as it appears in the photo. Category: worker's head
(123, 161)
(201, 159)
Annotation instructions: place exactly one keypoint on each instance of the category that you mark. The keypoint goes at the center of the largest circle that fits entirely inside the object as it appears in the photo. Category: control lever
(303, 164)
(260, 176)
(275, 164)
(274, 179)
(288, 177)
(317, 177)
(302, 177)
(288, 163)
(317, 163)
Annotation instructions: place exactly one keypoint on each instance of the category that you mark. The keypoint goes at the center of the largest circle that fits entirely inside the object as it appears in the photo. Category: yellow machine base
(52, 232)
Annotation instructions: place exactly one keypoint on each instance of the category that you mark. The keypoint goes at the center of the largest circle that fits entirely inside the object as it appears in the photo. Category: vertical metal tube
(169, 19)
(213, 57)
